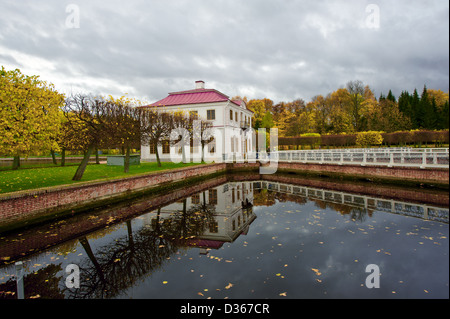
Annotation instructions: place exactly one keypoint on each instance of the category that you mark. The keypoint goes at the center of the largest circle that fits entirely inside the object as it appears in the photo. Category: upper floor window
(231, 115)
(210, 114)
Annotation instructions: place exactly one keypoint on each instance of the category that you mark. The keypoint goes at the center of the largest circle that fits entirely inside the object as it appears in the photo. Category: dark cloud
(282, 50)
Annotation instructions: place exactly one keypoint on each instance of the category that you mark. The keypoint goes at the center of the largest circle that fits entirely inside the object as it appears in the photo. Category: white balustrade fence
(407, 157)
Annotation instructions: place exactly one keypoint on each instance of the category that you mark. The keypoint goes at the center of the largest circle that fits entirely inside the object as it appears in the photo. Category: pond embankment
(25, 208)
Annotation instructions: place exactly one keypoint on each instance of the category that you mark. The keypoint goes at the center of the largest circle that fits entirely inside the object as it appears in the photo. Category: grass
(25, 179)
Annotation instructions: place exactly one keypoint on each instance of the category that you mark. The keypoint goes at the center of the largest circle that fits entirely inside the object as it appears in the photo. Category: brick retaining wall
(33, 204)
(435, 175)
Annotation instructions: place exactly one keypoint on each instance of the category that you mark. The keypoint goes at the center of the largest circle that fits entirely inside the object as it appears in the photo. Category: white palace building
(230, 120)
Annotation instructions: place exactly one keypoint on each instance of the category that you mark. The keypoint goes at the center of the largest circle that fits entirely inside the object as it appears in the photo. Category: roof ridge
(199, 91)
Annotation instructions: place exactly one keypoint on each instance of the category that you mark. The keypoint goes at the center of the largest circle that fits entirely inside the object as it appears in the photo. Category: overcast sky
(277, 49)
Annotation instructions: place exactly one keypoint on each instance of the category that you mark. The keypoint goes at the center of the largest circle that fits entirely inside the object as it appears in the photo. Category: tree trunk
(157, 156)
(16, 162)
(82, 167)
(52, 151)
(97, 160)
(63, 157)
(126, 166)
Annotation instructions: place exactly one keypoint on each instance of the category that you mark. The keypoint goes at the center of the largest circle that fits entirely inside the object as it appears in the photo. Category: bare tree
(356, 90)
(86, 117)
(155, 127)
(122, 127)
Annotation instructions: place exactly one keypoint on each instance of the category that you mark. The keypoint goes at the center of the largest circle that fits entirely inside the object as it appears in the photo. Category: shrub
(365, 139)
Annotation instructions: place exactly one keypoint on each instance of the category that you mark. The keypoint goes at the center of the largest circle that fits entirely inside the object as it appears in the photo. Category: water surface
(241, 239)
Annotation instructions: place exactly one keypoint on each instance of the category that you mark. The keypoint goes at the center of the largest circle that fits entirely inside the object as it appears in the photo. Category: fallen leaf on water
(164, 282)
(200, 294)
(283, 294)
(318, 273)
(229, 286)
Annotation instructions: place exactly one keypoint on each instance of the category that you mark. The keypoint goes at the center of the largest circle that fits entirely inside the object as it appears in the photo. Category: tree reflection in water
(119, 264)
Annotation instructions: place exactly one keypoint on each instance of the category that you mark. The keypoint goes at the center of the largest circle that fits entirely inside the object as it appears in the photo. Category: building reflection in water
(231, 209)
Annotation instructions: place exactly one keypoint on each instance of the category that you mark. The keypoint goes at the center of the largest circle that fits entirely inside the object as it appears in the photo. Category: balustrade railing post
(391, 159)
(19, 280)
(424, 160)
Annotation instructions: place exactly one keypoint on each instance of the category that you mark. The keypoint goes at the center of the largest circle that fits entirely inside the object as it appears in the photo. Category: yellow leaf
(318, 273)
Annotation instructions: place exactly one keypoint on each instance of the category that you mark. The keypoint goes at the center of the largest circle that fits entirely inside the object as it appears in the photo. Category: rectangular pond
(241, 238)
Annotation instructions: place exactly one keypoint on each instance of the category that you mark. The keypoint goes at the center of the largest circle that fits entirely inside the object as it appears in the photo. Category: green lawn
(23, 179)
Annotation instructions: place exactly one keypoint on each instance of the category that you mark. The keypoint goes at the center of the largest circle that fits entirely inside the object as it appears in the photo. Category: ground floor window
(152, 148)
(165, 147)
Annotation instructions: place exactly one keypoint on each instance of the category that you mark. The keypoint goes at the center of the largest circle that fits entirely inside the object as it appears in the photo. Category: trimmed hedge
(400, 138)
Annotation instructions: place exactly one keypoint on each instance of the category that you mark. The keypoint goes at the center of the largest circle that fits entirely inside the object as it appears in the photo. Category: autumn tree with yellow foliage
(30, 115)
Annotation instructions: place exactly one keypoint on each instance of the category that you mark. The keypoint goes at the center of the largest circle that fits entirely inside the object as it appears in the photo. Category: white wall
(225, 127)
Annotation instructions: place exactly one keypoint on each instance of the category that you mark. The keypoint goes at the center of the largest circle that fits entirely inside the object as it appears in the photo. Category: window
(152, 148)
(231, 115)
(195, 199)
(212, 196)
(165, 147)
(214, 227)
(211, 114)
(236, 116)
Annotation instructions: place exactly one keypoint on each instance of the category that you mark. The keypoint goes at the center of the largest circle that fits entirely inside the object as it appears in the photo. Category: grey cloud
(282, 50)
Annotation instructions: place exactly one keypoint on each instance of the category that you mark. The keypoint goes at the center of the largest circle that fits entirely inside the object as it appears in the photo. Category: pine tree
(391, 97)
(430, 118)
(444, 116)
(415, 101)
(404, 103)
(423, 109)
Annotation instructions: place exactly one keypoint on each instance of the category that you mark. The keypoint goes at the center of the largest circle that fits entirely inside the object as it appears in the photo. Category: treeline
(415, 138)
(35, 117)
(354, 109)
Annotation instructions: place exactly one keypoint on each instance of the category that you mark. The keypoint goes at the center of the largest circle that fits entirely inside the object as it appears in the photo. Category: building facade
(230, 120)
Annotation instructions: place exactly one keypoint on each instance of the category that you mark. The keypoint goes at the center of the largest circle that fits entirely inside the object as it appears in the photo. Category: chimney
(199, 84)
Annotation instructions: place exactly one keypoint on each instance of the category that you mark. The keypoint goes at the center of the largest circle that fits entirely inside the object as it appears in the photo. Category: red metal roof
(196, 96)
(205, 243)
